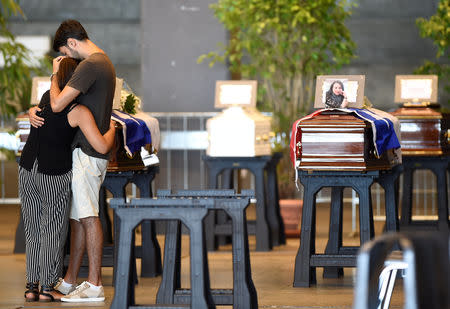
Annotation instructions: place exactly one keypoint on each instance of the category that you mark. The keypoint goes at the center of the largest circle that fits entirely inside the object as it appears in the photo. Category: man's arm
(35, 120)
(60, 99)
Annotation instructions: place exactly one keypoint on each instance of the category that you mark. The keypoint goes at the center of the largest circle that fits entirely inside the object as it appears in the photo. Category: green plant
(437, 28)
(284, 44)
(129, 105)
(15, 75)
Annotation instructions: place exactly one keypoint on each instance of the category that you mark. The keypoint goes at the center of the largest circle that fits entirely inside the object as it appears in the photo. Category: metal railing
(183, 143)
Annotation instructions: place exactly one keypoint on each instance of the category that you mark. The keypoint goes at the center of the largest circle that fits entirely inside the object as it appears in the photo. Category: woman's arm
(60, 98)
(81, 116)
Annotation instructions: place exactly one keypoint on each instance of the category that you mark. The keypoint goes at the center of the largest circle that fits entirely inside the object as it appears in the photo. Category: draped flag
(135, 132)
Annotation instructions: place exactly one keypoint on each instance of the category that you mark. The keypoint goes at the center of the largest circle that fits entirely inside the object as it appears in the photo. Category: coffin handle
(299, 148)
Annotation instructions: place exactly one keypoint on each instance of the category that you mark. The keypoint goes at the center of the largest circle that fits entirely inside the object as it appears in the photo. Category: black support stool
(438, 165)
(191, 212)
(243, 295)
(307, 260)
(388, 180)
(273, 200)
(268, 227)
(149, 251)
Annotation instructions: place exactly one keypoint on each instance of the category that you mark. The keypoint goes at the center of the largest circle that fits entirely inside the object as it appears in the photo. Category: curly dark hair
(69, 29)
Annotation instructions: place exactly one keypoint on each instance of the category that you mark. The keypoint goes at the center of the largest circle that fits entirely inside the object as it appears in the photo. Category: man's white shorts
(88, 175)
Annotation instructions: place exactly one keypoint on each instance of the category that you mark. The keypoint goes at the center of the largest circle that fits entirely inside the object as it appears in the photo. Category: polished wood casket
(424, 130)
(119, 159)
(337, 141)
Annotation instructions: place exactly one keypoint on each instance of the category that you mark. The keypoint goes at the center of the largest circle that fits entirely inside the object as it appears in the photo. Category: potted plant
(284, 44)
(15, 71)
(14, 74)
(437, 29)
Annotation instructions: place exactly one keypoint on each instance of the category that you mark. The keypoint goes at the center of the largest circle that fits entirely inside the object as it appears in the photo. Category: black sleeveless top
(51, 143)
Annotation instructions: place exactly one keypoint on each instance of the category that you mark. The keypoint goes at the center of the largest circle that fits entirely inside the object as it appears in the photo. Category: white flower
(123, 97)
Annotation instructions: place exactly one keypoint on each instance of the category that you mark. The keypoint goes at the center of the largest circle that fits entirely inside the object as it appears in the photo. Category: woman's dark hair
(69, 29)
(330, 91)
(65, 71)
(332, 100)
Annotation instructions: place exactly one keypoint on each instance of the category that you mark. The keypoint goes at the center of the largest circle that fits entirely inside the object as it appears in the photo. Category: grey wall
(113, 25)
(175, 32)
(388, 44)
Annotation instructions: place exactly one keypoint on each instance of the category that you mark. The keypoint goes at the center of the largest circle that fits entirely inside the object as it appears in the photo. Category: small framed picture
(235, 93)
(40, 85)
(117, 93)
(339, 91)
(416, 88)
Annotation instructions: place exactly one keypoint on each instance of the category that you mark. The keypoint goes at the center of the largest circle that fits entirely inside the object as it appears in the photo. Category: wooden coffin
(119, 159)
(338, 141)
(424, 131)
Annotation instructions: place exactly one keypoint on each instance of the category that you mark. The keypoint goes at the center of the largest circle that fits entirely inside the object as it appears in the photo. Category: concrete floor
(272, 272)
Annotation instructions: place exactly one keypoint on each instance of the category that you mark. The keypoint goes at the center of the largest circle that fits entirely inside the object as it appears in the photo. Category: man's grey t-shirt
(95, 78)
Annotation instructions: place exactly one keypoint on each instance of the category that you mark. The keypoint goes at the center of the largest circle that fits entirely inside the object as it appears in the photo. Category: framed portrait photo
(235, 93)
(39, 86)
(117, 93)
(416, 89)
(331, 90)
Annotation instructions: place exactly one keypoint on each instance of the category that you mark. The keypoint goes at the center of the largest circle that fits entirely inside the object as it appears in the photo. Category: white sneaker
(84, 293)
(63, 288)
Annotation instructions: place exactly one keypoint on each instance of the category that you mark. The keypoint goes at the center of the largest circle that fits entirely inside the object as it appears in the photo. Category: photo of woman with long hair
(336, 96)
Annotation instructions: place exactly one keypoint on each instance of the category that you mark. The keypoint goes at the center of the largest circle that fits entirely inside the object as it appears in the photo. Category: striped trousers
(45, 207)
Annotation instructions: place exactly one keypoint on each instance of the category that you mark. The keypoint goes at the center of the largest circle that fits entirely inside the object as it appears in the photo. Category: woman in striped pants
(45, 174)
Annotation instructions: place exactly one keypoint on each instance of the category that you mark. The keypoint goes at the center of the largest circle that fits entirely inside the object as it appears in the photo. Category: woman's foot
(32, 291)
(48, 294)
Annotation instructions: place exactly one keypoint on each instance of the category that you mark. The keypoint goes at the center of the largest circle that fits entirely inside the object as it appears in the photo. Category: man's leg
(88, 175)
(77, 246)
(94, 245)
